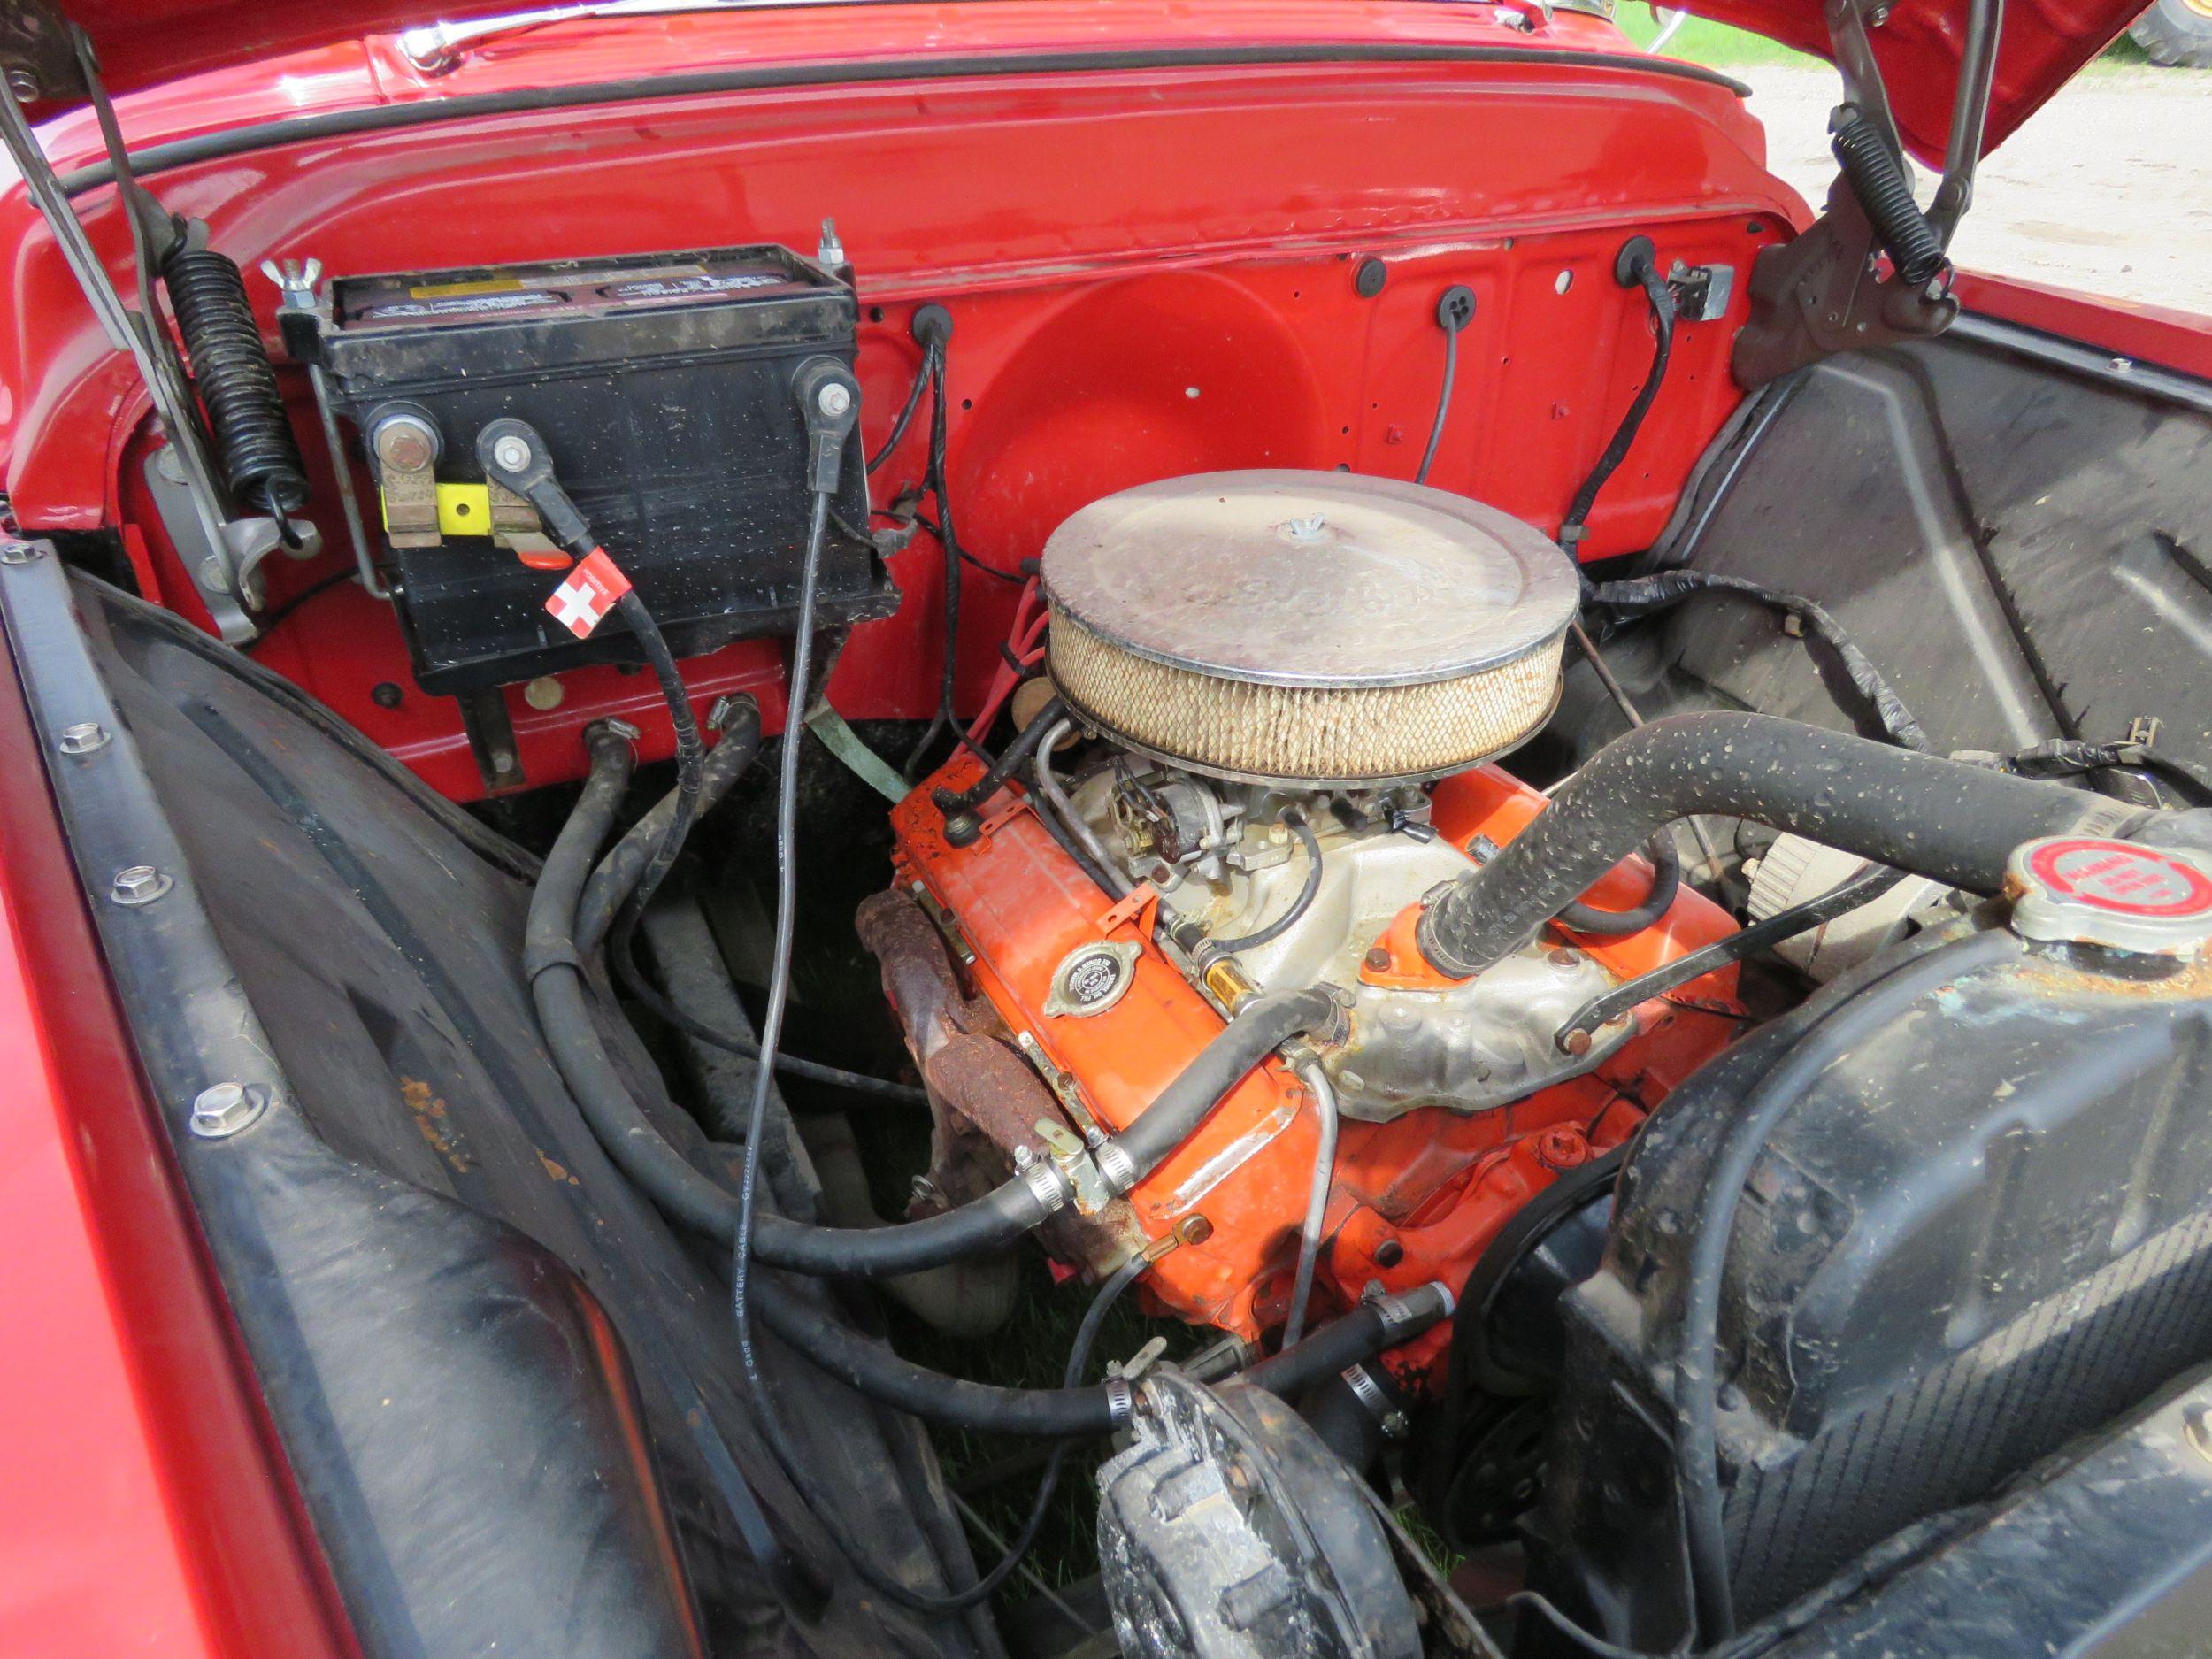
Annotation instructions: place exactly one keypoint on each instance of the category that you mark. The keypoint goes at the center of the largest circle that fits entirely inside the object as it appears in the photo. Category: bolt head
(139, 884)
(1575, 1043)
(1563, 1148)
(834, 399)
(18, 553)
(512, 453)
(213, 575)
(1378, 958)
(1566, 957)
(224, 1108)
(24, 84)
(82, 738)
(407, 446)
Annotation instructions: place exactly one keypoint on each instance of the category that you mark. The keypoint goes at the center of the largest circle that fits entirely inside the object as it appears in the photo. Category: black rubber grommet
(1456, 309)
(1636, 252)
(1369, 276)
(932, 322)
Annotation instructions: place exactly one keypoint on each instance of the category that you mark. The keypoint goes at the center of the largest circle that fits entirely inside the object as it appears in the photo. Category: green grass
(1715, 45)
(1718, 46)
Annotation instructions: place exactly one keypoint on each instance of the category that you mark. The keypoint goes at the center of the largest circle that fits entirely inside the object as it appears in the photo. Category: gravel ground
(2107, 189)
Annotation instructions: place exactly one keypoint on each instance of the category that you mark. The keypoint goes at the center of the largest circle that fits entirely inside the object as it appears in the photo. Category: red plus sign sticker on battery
(581, 603)
(2127, 879)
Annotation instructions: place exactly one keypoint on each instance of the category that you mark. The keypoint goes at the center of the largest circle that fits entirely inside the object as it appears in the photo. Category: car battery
(662, 386)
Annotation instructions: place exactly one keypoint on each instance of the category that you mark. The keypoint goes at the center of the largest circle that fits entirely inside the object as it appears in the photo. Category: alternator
(1229, 1531)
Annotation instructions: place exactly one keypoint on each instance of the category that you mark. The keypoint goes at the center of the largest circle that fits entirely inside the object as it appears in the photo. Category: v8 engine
(1276, 697)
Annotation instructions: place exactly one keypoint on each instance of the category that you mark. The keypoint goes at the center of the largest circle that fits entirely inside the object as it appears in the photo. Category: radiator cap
(2123, 896)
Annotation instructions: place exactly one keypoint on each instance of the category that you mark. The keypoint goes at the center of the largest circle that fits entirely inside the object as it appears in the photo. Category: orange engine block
(1414, 1199)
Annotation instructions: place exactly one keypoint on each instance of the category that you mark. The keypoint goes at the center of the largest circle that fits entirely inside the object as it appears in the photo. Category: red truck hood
(144, 41)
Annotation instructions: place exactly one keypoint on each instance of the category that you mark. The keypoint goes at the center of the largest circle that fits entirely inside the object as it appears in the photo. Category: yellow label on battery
(442, 290)
(464, 509)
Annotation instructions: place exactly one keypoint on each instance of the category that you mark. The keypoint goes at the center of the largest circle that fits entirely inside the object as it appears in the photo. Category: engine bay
(1361, 890)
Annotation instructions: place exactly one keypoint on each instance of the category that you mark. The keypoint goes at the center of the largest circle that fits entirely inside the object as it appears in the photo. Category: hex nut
(224, 1108)
(18, 553)
(834, 399)
(139, 884)
(512, 453)
(83, 738)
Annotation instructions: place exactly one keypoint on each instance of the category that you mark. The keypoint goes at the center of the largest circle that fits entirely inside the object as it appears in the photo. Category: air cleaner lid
(1311, 579)
(2120, 895)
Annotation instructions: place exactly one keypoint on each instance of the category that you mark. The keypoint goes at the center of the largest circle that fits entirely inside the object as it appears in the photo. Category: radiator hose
(1953, 823)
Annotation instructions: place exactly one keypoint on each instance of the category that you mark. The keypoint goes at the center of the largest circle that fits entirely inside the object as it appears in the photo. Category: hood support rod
(237, 543)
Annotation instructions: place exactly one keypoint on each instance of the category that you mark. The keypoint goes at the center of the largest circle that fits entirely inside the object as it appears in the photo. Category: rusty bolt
(1564, 956)
(1575, 1043)
(1562, 1149)
(1378, 958)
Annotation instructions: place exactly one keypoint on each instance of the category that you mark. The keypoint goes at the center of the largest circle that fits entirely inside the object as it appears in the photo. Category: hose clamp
(1366, 1390)
(1121, 1401)
(1393, 1311)
(1119, 1169)
(1051, 1189)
